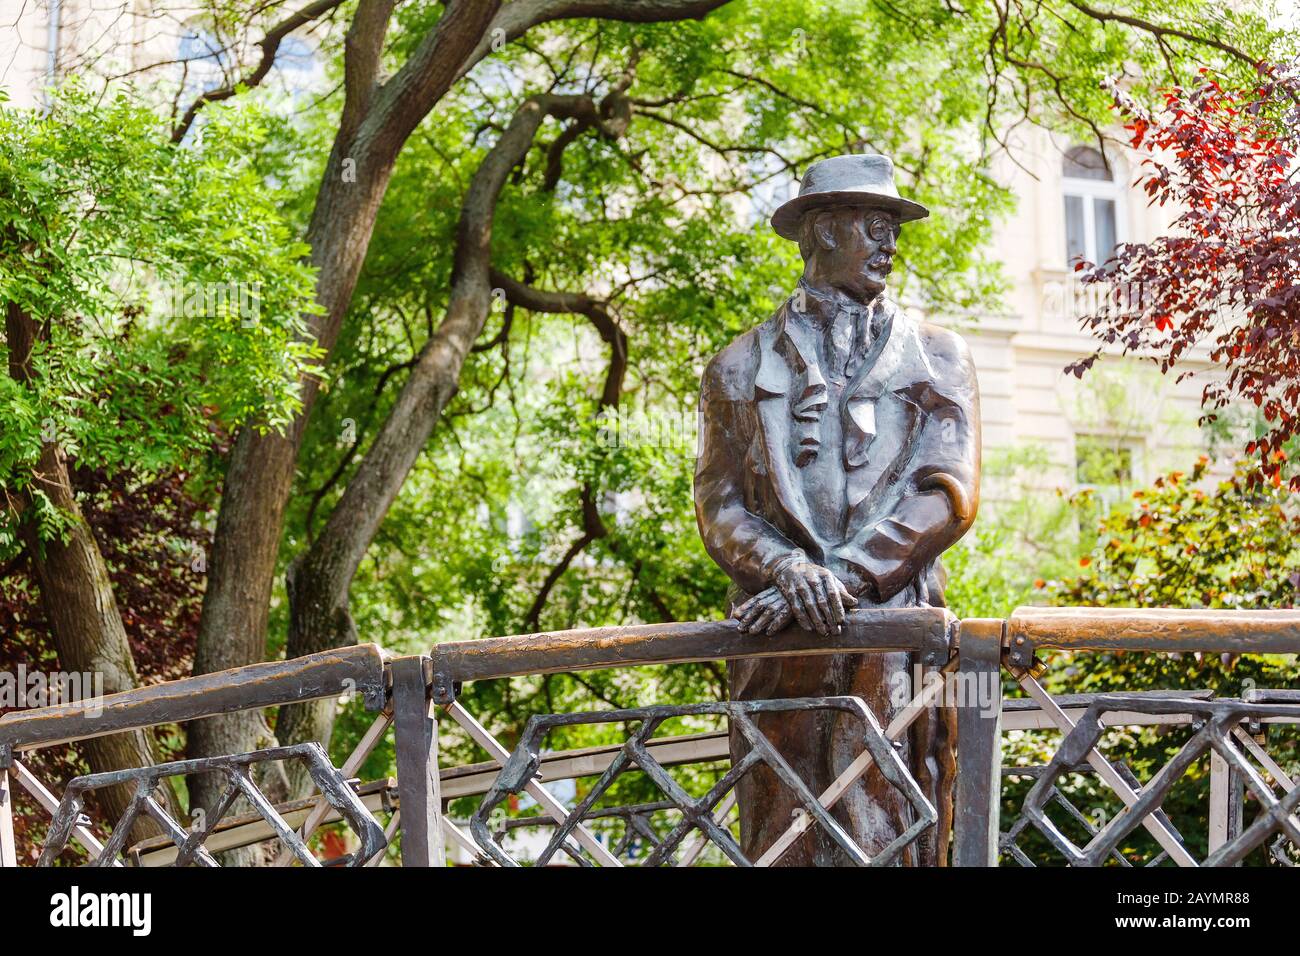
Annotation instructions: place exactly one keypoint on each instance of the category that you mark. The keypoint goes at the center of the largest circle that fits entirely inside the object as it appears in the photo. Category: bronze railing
(410, 694)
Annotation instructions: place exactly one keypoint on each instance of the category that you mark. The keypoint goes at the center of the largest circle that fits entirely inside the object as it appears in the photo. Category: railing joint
(443, 690)
(1020, 652)
(938, 644)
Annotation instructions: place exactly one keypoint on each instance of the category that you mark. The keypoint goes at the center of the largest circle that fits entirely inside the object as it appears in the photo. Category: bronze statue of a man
(839, 456)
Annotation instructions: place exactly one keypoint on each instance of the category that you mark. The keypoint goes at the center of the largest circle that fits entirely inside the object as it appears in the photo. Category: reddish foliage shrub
(1226, 274)
(150, 534)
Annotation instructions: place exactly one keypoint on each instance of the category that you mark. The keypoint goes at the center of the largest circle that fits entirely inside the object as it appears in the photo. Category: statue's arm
(939, 490)
(744, 545)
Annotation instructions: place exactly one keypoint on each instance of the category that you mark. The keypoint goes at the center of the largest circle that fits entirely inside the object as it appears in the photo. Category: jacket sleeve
(744, 545)
(939, 488)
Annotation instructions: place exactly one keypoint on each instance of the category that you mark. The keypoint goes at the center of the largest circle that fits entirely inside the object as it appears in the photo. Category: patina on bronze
(839, 457)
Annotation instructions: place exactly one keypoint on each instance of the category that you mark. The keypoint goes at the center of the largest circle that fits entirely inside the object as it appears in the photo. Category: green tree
(1180, 545)
(107, 232)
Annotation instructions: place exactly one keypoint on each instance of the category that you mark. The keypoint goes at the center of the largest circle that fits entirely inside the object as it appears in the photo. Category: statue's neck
(824, 297)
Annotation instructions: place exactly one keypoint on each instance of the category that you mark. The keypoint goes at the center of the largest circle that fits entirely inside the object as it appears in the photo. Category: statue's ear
(824, 230)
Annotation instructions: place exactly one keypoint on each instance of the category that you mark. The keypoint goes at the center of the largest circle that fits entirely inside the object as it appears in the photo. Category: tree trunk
(259, 478)
(88, 633)
(318, 580)
(375, 124)
(78, 600)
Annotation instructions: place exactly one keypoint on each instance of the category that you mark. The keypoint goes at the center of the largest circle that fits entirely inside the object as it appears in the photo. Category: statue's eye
(879, 229)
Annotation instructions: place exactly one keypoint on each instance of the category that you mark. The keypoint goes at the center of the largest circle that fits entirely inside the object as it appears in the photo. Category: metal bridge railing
(410, 694)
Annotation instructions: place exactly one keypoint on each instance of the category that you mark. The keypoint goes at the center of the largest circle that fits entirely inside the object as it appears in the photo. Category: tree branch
(270, 45)
(517, 18)
(1158, 31)
(438, 61)
(597, 312)
(578, 303)
(363, 48)
(592, 528)
(350, 452)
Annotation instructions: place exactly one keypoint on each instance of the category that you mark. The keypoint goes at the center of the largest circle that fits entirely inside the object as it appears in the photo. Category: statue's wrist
(792, 559)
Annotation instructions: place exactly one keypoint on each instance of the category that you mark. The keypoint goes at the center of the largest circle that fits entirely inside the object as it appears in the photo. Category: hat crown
(860, 172)
(859, 179)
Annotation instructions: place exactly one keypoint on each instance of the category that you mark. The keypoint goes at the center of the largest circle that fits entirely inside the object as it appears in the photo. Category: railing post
(1219, 801)
(8, 852)
(418, 787)
(978, 687)
(1226, 797)
(1236, 802)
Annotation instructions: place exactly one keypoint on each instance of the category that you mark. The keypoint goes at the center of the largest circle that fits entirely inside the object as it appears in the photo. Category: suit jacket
(911, 449)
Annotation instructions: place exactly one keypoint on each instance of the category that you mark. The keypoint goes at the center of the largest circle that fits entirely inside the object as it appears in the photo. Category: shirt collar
(823, 305)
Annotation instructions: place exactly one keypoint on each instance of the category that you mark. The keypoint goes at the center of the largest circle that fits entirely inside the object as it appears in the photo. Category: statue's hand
(765, 613)
(815, 595)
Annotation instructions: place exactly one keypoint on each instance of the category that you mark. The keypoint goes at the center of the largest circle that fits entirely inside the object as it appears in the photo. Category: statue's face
(855, 249)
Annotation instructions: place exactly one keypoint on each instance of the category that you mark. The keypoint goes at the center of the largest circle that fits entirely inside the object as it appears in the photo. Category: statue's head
(847, 219)
(850, 248)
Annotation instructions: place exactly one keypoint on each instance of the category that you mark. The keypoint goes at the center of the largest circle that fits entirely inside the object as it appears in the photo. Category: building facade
(1123, 423)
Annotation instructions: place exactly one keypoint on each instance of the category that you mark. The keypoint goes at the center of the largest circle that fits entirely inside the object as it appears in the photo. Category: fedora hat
(859, 179)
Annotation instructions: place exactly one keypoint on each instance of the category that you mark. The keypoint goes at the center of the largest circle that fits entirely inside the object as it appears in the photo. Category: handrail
(1160, 630)
(361, 669)
(358, 669)
(403, 688)
(876, 629)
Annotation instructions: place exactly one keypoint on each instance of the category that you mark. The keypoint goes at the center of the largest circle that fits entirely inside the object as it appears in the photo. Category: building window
(1102, 462)
(1092, 206)
(1106, 466)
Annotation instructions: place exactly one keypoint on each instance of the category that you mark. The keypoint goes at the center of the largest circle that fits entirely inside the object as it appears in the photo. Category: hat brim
(786, 218)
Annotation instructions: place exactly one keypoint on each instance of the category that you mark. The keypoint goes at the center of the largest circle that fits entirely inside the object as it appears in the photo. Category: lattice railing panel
(237, 770)
(703, 814)
(1218, 727)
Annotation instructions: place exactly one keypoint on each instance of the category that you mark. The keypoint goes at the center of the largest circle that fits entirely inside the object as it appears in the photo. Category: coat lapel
(773, 383)
(872, 406)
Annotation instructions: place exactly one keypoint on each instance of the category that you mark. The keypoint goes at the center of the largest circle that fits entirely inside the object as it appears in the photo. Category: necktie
(842, 334)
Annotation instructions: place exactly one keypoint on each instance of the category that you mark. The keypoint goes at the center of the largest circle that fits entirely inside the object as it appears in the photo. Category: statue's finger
(787, 591)
(848, 597)
(836, 601)
(812, 610)
(800, 607)
(762, 623)
(783, 618)
(824, 606)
